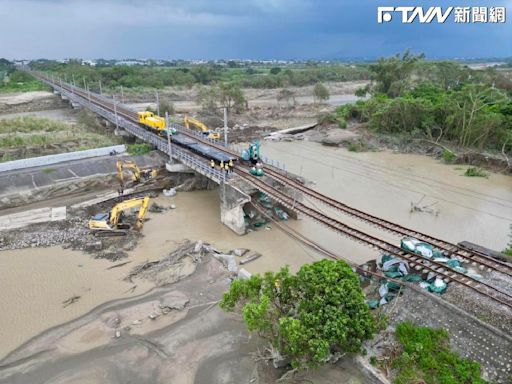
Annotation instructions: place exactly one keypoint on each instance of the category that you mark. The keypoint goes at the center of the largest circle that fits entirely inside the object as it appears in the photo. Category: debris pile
(254, 219)
(399, 270)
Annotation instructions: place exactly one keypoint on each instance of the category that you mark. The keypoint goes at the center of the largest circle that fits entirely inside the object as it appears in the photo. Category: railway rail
(418, 262)
(447, 248)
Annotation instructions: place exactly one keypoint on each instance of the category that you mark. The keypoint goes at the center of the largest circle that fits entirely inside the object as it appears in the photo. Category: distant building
(90, 63)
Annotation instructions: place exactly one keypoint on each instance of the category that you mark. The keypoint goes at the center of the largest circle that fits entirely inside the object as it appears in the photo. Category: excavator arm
(137, 173)
(115, 213)
(202, 127)
(142, 212)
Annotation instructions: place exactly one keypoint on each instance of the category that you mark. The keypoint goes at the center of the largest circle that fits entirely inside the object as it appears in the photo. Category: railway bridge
(236, 188)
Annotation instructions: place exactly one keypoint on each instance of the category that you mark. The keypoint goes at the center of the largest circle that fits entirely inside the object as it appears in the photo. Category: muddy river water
(36, 282)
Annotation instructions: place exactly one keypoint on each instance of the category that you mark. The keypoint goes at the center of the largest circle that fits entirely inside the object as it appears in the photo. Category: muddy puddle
(36, 282)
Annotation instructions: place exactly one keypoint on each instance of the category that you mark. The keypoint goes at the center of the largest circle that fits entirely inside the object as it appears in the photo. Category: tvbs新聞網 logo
(440, 14)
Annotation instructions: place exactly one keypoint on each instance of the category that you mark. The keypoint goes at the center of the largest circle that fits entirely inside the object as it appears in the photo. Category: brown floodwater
(385, 184)
(35, 282)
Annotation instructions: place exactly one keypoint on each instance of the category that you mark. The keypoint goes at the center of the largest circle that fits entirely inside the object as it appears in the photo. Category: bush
(448, 156)
(138, 149)
(342, 123)
(475, 172)
(357, 146)
(308, 315)
(320, 92)
(426, 357)
(327, 119)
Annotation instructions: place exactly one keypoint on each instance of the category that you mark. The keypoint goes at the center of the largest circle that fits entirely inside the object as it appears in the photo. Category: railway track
(447, 248)
(419, 263)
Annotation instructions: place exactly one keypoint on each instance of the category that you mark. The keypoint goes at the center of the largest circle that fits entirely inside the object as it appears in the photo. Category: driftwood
(507, 159)
(416, 207)
(250, 258)
(119, 265)
(439, 145)
(477, 158)
(71, 300)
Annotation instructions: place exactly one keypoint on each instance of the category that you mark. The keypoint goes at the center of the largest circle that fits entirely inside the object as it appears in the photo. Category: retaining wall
(59, 158)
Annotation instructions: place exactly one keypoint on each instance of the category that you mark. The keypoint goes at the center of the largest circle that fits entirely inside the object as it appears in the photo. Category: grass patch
(31, 136)
(48, 170)
(475, 172)
(426, 358)
(19, 81)
(30, 124)
(358, 146)
(138, 149)
(508, 251)
(448, 156)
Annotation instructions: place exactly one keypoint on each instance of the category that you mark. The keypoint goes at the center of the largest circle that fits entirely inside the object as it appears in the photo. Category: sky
(239, 29)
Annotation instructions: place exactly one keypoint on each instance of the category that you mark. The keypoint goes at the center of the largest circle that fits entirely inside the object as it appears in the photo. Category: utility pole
(157, 104)
(225, 127)
(101, 92)
(115, 111)
(73, 77)
(168, 127)
(122, 95)
(73, 87)
(85, 85)
(89, 95)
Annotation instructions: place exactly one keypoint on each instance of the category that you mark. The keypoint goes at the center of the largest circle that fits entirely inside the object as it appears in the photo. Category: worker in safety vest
(231, 163)
(222, 164)
(212, 163)
(226, 167)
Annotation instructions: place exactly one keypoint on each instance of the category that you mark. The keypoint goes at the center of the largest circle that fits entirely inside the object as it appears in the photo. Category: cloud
(234, 29)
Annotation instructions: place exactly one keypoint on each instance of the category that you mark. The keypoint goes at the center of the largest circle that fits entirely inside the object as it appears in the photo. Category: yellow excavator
(202, 127)
(138, 175)
(110, 224)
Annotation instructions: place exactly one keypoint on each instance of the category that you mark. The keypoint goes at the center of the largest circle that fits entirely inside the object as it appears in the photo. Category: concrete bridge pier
(232, 201)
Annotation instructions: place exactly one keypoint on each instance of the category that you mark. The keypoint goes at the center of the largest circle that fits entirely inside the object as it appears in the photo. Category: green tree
(472, 119)
(306, 316)
(275, 70)
(231, 96)
(208, 98)
(393, 75)
(287, 96)
(320, 92)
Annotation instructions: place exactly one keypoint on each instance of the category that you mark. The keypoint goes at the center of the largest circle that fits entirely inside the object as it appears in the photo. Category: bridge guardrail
(157, 141)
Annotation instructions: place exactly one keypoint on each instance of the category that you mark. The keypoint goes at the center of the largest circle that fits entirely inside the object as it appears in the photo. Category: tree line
(114, 76)
(439, 101)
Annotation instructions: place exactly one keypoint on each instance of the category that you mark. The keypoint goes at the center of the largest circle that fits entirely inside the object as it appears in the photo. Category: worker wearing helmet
(231, 163)
(212, 163)
(222, 164)
(226, 167)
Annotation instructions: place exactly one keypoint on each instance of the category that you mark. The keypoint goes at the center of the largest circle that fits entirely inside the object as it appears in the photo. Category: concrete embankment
(70, 179)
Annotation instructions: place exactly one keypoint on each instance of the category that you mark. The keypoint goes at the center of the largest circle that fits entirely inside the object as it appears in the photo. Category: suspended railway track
(419, 263)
